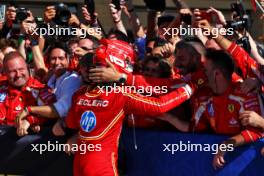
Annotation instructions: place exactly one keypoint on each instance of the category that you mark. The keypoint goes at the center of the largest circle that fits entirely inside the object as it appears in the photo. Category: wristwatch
(123, 78)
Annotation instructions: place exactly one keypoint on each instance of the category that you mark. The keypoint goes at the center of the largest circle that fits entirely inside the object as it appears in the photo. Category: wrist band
(117, 21)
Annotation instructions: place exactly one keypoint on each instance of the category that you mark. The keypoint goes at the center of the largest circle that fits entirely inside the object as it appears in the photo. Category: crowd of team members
(214, 85)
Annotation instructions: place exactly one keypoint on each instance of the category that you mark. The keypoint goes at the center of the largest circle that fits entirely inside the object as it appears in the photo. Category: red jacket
(220, 113)
(198, 78)
(97, 114)
(248, 66)
(13, 101)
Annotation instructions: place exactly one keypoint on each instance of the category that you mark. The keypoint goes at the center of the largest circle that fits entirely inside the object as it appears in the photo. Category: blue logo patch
(210, 109)
(88, 121)
(2, 97)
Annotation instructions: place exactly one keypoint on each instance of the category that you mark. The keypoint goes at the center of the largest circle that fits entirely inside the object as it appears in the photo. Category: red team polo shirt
(13, 101)
(220, 113)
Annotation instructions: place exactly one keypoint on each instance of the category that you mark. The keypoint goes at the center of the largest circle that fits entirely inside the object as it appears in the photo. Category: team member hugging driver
(98, 116)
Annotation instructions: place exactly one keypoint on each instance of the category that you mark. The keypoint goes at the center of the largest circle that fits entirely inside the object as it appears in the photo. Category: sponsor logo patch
(210, 109)
(231, 108)
(200, 81)
(88, 121)
(233, 122)
(2, 97)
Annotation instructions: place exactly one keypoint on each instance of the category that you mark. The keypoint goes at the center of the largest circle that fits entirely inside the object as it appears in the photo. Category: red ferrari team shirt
(221, 113)
(13, 101)
(96, 113)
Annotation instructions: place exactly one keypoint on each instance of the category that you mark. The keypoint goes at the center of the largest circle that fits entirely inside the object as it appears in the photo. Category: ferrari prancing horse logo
(231, 108)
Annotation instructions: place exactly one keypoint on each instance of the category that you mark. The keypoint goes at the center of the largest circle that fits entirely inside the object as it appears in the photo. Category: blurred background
(37, 7)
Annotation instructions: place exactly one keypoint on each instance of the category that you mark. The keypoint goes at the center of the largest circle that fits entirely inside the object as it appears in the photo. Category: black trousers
(19, 155)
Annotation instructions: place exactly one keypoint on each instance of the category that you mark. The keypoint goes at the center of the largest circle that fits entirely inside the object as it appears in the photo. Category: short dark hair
(95, 40)
(196, 43)
(221, 60)
(87, 60)
(189, 47)
(160, 42)
(119, 35)
(130, 36)
(164, 67)
(199, 47)
(4, 43)
(60, 45)
(165, 19)
(73, 40)
(192, 39)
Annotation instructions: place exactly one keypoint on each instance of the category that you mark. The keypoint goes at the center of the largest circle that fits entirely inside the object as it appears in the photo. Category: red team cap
(120, 53)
